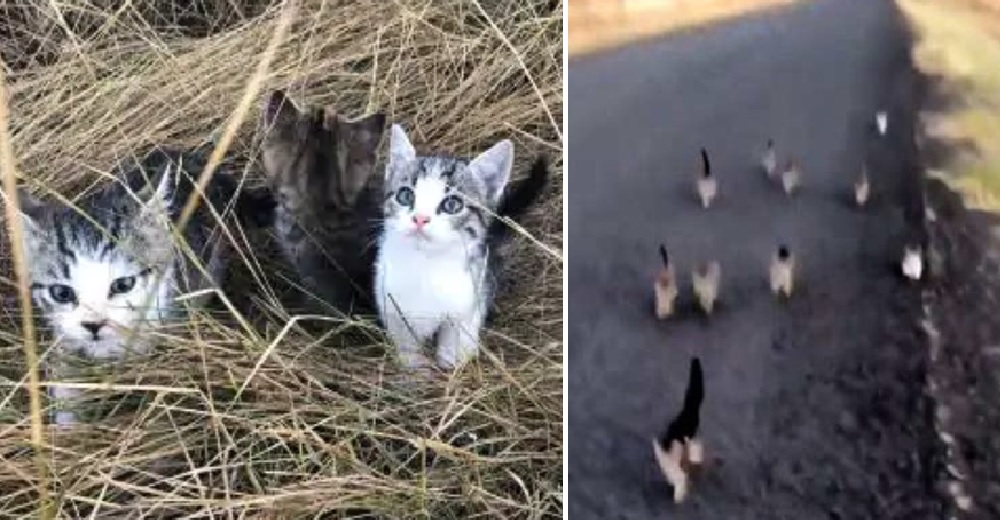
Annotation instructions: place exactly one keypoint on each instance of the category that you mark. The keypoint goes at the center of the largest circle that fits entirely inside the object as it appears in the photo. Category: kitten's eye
(62, 294)
(122, 285)
(452, 204)
(405, 196)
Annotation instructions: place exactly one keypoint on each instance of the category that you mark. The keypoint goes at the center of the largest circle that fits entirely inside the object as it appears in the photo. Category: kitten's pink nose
(421, 220)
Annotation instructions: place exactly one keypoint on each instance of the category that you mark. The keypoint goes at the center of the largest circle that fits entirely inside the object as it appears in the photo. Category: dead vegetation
(958, 43)
(279, 420)
(596, 25)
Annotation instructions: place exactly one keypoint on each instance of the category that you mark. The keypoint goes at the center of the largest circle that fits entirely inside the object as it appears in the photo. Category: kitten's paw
(456, 346)
(414, 360)
(452, 358)
(680, 489)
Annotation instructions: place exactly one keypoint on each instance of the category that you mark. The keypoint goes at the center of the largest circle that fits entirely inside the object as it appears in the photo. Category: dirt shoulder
(596, 25)
(965, 354)
(953, 43)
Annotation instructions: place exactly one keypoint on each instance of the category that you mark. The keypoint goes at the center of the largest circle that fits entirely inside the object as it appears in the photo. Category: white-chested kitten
(436, 254)
(106, 269)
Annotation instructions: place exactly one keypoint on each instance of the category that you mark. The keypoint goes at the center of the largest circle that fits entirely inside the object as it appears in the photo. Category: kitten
(705, 280)
(665, 286)
(782, 272)
(862, 187)
(679, 446)
(769, 160)
(99, 277)
(436, 257)
(791, 177)
(707, 185)
(320, 167)
(882, 121)
(913, 262)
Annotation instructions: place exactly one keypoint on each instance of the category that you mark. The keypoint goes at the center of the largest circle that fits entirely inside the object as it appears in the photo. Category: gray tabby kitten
(434, 276)
(101, 272)
(319, 166)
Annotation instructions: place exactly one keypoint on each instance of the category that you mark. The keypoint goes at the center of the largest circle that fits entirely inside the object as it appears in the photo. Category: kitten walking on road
(782, 272)
(769, 160)
(434, 275)
(707, 185)
(912, 264)
(665, 286)
(679, 447)
(791, 177)
(882, 121)
(705, 280)
(862, 187)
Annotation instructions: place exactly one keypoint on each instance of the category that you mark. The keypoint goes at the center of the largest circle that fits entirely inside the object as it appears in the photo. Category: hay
(226, 419)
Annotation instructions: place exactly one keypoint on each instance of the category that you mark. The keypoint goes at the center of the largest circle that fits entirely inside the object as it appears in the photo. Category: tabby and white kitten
(679, 446)
(436, 255)
(102, 271)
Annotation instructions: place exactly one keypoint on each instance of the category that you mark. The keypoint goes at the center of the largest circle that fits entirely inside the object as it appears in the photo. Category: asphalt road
(814, 409)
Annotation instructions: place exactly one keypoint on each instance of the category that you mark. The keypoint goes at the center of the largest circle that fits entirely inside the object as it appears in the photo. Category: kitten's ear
(401, 151)
(357, 143)
(278, 109)
(32, 210)
(157, 201)
(493, 166)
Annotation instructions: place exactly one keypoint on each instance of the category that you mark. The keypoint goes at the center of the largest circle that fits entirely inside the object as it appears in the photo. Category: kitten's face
(92, 286)
(438, 202)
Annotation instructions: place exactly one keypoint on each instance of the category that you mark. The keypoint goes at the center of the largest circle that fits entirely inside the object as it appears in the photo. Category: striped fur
(102, 271)
(436, 261)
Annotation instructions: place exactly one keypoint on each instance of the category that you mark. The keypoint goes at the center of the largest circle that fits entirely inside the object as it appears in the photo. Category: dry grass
(960, 43)
(275, 421)
(596, 25)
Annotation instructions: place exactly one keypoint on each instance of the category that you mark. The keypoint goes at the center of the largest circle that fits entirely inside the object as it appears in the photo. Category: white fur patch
(882, 121)
(91, 280)
(422, 290)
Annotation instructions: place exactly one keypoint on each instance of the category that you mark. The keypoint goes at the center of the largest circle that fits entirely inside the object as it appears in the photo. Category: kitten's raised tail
(707, 171)
(520, 197)
(695, 393)
(664, 255)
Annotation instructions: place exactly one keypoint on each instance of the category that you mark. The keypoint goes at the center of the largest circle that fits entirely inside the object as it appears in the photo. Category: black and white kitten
(679, 445)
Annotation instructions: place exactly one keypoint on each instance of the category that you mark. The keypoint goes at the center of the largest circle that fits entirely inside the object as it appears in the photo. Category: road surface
(814, 409)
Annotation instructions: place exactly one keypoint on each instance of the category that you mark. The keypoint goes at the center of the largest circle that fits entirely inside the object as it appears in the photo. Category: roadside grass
(596, 25)
(259, 416)
(959, 43)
